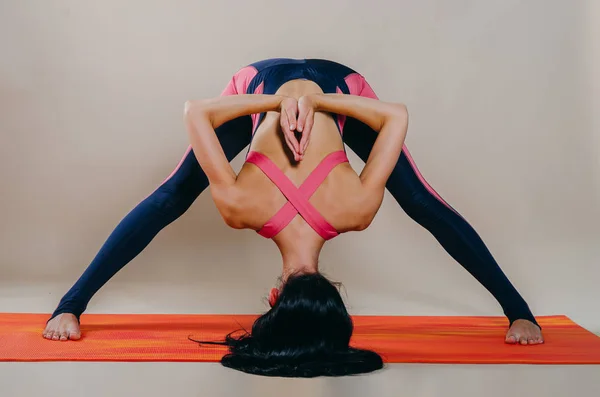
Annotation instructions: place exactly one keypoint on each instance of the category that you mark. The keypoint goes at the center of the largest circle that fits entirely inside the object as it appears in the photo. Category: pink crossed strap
(298, 197)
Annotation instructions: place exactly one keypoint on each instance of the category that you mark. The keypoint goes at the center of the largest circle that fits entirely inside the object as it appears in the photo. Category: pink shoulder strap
(297, 197)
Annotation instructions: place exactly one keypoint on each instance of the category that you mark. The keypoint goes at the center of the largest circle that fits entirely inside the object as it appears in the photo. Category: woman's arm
(390, 120)
(202, 117)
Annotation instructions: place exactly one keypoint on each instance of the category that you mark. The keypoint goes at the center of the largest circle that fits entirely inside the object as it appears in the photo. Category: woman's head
(306, 333)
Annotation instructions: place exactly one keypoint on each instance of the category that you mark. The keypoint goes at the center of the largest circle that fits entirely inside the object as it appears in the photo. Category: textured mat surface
(399, 339)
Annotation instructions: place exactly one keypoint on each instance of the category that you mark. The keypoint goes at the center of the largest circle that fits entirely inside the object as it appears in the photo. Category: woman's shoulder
(229, 202)
(344, 201)
(247, 204)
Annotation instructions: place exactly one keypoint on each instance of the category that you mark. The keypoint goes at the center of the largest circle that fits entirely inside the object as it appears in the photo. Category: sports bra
(298, 196)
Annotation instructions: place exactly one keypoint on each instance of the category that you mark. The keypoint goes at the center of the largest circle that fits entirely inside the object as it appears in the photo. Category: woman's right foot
(63, 327)
(524, 332)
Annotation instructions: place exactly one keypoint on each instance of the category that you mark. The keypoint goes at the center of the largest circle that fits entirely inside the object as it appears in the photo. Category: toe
(523, 340)
(63, 335)
(511, 339)
(49, 334)
(55, 336)
(531, 341)
(74, 332)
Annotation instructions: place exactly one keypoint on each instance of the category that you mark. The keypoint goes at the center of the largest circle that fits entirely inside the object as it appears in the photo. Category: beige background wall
(501, 95)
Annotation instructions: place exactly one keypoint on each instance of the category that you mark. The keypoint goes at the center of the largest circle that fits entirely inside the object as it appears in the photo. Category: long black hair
(305, 334)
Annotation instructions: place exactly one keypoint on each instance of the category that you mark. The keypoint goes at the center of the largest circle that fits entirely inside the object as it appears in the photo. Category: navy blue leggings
(406, 184)
(177, 194)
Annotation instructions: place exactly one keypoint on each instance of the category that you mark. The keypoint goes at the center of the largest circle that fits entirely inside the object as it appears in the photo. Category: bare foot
(524, 332)
(63, 327)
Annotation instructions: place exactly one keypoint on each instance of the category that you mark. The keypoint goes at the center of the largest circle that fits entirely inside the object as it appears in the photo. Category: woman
(184, 185)
(307, 331)
(331, 197)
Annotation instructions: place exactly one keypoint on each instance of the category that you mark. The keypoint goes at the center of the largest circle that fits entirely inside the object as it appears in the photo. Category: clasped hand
(297, 119)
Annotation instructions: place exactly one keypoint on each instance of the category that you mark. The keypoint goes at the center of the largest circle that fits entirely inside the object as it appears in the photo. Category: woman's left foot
(524, 332)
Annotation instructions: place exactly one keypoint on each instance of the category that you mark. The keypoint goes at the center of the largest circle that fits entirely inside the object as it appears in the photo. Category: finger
(284, 121)
(291, 147)
(307, 129)
(301, 119)
(306, 145)
(291, 114)
(285, 124)
(305, 141)
(288, 143)
(290, 134)
(303, 113)
(310, 120)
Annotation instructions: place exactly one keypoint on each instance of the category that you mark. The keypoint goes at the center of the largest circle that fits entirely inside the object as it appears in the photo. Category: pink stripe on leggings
(189, 149)
(237, 85)
(427, 186)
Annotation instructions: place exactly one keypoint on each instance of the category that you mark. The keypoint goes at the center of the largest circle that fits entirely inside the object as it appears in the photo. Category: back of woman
(300, 192)
(337, 196)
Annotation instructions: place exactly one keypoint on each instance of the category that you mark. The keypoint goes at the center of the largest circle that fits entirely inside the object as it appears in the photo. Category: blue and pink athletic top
(298, 197)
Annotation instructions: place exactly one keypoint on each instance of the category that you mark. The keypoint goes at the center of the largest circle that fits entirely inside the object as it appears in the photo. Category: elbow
(193, 109)
(399, 113)
(366, 214)
(364, 222)
(396, 115)
(229, 204)
(362, 226)
(188, 108)
(230, 216)
(368, 206)
(232, 220)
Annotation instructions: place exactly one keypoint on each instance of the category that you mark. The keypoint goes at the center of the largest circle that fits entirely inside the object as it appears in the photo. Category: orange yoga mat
(399, 339)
